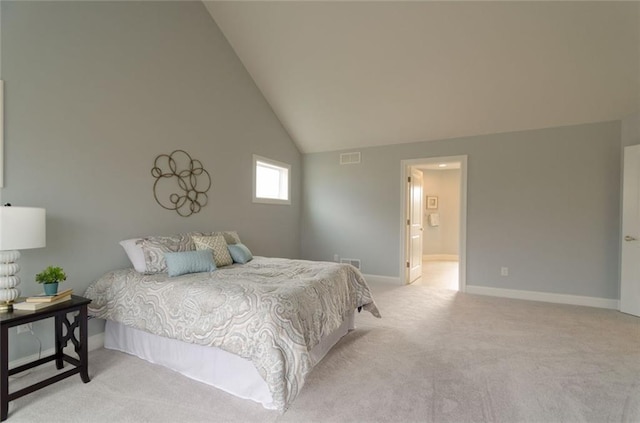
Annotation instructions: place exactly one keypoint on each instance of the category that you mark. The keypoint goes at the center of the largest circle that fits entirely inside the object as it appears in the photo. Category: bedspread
(270, 311)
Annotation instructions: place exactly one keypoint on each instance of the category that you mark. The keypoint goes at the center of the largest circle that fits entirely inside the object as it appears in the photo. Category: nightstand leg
(84, 350)
(58, 342)
(4, 372)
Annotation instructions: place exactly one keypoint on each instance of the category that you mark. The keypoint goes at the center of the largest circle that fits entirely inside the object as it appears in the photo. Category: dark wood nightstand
(59, 312)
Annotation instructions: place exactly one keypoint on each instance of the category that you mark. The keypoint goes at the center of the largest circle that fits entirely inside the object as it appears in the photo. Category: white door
(414, 222)
(630, 269)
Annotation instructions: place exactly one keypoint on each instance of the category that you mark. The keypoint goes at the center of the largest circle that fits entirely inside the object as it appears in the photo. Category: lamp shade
(22, 228)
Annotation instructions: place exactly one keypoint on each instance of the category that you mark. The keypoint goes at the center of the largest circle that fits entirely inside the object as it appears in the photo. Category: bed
(254, 329)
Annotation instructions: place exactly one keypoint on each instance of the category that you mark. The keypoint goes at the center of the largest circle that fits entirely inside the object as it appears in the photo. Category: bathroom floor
(439, 274)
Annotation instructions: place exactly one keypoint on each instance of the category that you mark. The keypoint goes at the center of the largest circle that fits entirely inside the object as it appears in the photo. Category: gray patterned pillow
(230, 236)
(154, 248)
(218, 245)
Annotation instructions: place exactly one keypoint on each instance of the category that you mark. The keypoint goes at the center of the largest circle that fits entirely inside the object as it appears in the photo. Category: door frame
(629, 291)
(412, 228)
(405, 172)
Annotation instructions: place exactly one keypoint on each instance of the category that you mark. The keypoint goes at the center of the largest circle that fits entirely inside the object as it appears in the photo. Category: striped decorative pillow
(184, 262)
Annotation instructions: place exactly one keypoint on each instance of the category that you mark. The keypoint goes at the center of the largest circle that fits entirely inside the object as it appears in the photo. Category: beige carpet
(436, 356)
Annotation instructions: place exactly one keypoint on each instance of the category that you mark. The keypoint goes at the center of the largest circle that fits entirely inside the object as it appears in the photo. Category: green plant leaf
(51, 275)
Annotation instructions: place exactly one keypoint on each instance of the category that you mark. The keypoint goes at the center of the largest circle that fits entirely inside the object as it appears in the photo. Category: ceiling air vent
(350, 158)
(354, 262)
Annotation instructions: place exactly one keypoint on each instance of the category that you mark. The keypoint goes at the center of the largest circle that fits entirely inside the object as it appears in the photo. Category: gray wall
(631, 130)
(444, 238)
(545, 203)
(94, 92)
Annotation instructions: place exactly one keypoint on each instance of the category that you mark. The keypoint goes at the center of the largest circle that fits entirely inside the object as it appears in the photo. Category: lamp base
(8, 279)
(6, 307)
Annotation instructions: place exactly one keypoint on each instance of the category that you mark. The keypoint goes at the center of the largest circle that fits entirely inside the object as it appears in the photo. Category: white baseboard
(545, 297)
(93, 343)
(389, 280)
(440, 257)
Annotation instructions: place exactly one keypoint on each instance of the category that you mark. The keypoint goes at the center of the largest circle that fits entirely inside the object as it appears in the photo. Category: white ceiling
(342, 75)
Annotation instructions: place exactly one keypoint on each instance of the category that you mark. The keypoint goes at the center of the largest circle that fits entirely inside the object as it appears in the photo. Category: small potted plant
(50, 277)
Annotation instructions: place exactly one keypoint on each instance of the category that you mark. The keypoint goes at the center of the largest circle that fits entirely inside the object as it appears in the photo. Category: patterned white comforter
(270, 311)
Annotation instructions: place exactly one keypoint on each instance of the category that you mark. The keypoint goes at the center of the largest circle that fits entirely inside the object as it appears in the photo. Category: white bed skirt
(213, 366)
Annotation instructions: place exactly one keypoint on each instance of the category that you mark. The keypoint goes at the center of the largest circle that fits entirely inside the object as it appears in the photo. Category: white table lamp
(21, 228)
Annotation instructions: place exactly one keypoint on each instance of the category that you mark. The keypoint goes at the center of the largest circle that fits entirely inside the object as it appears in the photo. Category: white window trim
(287, 166)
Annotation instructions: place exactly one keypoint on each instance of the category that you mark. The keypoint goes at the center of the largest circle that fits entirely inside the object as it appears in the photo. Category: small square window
(271, 182)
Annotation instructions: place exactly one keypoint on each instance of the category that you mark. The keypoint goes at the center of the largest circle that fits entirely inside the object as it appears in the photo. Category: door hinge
(408, 222)
(409, 179)
(408, 265)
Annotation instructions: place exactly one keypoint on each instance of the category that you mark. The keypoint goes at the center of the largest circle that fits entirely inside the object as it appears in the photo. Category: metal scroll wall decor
(181, 183)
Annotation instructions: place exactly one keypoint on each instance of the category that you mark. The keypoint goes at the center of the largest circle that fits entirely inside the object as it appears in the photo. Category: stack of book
(41, 301)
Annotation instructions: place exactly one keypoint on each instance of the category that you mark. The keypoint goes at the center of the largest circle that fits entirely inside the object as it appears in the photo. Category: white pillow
(135, 254)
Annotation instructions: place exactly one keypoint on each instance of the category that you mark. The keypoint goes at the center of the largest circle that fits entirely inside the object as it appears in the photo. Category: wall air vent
(354, 262)
(350, 158)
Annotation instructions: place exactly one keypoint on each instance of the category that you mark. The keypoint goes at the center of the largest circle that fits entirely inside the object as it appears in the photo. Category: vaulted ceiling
(343, 75)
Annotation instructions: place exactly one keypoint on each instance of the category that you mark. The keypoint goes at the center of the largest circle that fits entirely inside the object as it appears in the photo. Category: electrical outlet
(336, 258)
(504, 271)
(24, 328)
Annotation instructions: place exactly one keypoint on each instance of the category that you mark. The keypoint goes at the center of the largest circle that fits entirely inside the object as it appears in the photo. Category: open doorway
(441, 254)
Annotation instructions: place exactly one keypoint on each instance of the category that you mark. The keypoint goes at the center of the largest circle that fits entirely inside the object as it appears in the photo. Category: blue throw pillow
(184, 262)
(240, 253)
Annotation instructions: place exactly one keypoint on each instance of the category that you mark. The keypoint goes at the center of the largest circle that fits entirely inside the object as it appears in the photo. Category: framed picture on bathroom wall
(432, 202)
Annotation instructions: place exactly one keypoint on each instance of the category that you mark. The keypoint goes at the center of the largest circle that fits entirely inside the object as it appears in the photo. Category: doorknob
(629, 238)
